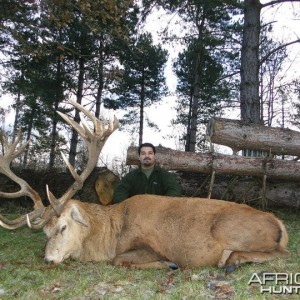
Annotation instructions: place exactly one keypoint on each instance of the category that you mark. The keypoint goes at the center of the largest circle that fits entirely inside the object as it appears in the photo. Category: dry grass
(24, 274)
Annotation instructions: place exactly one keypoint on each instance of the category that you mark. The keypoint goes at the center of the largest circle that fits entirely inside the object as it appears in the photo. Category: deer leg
(256, 257)
(239, 257)
(224, 257)
(142, 259)
(156, 265)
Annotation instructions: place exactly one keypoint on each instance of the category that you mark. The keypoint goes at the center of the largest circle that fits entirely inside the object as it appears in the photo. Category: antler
(10, 154)
(95, 140)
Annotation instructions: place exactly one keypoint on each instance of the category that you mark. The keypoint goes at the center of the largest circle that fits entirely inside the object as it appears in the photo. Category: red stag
(145, 231)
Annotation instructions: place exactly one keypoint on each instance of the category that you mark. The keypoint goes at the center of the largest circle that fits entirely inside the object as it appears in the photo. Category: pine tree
(142, 81)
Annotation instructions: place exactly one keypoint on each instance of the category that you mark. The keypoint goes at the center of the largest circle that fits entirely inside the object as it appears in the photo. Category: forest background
(163, 67)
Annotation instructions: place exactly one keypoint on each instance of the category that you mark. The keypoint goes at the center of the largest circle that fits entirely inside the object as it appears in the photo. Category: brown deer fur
(149, 231)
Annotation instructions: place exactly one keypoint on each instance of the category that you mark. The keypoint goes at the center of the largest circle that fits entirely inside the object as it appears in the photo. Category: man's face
(147, 157)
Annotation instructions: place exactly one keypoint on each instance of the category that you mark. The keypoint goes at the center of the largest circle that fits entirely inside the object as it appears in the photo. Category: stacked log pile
(269, 179)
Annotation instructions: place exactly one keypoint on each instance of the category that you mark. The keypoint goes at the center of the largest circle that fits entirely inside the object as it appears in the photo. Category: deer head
(94, 138)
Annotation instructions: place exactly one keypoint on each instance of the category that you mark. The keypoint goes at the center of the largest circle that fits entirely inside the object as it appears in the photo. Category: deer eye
(63, 228)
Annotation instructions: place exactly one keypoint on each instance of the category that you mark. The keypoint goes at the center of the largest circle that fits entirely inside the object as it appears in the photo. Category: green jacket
(160, 182)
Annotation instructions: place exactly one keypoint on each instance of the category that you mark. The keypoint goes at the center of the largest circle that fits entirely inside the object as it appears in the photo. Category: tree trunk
(53, 136)
(17, 115)
(99, 90)
(100, 82)
(194, 105)
(194, 111)
(221, 164)
(249, 87)
(239, 135)
(188, 127)
(74, 138)
(58, 98)
(142, 107)
(28, 136)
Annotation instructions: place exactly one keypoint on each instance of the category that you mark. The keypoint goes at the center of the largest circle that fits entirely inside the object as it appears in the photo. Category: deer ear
(77, 216)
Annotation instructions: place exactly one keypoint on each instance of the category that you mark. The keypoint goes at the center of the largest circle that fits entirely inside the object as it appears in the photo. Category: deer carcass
(160, 231)
(145, 231)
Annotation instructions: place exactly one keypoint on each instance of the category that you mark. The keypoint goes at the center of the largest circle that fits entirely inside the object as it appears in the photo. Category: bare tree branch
(277, 49)
(277, 2)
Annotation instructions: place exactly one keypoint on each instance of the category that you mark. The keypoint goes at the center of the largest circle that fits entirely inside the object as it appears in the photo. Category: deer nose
(47, 260)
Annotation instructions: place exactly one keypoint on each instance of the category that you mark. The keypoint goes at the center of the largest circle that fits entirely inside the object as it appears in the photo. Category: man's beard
(147, 162)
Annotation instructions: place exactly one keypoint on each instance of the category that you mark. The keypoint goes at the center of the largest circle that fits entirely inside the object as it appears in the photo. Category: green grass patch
(25, 275)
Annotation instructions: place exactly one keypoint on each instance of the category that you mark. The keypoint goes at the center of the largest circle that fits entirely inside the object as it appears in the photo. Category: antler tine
(53, 201)
(21, 221)
(113, 125)
(5, 161)
(39, 221)
(99, 129)
(70, 167)
(71, 122)
(10, 149)
(11, 152)
(95, 140)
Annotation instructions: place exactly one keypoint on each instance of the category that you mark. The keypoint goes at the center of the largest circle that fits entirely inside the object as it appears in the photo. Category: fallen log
(222, 164)
(240, 135)
(194, 172)
(242, 189)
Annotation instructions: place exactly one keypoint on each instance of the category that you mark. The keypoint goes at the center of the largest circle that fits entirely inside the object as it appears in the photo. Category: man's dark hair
(146, 145)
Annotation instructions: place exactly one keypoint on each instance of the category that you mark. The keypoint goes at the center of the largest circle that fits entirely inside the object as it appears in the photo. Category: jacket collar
(155, 169)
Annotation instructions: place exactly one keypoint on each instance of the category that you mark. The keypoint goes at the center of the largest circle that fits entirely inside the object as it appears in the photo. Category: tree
(35, 109)
(249, 87)
(250, 62)
(213, 89)
(62, 39)
(209, 29)
(273, 86)
(142, 81)
(32, 57)
(17, 37)
(250, 101)
(89, 30)
(296, 115)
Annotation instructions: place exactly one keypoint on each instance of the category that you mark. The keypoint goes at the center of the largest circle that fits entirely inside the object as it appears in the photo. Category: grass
(24, 274)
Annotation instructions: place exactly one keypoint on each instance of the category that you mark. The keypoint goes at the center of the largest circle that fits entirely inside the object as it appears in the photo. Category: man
(147, 179)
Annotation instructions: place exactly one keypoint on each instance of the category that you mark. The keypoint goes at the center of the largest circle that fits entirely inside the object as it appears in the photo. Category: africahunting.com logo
(276, 283)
